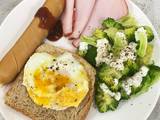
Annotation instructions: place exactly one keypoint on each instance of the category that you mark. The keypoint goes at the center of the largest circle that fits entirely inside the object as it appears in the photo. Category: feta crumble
(128, 53)
(115, 81)
(117, 64)
(117, 96)
(106, 90)
(83, 46)
(102, 50)
(135, 80)
(121, 35)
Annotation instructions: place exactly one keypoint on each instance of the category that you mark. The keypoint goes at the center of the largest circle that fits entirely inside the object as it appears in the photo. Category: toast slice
(17, 97)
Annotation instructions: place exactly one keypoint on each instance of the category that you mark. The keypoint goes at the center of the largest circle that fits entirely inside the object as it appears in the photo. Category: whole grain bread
(18, 98)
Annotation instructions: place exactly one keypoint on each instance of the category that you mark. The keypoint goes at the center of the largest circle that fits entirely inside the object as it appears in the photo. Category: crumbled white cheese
(117, 96)
(115, 81)
(83, 46)
(128, 53)
(144, 71)
(102, 50)
(102, 42)
(121, 35)
(127, 88)
(140, 30)
(108, 59)
(118, 64)
(135, 80)
(106, 90)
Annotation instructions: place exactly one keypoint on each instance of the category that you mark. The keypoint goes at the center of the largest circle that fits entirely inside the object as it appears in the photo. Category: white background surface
(150, 7)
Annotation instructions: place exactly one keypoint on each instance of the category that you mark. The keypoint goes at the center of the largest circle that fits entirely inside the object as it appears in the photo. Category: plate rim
(157, 37)
(131, 4)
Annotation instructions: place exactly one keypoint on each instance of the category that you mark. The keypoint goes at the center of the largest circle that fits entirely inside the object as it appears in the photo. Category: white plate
(138, 108)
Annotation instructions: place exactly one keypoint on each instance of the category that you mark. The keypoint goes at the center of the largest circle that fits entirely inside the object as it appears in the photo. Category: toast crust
(17, 97)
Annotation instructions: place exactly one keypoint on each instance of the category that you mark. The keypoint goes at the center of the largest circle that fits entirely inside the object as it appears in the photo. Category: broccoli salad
(121, 52)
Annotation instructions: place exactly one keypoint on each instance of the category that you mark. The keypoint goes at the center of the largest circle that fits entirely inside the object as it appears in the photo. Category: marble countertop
(150, 7)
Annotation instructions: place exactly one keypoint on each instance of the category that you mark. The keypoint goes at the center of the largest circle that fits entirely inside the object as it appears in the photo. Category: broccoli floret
(120, 42)
(152, 77)
(104, 101)
(110, 22)
(150, 34)
(135, 90)
(124, 95)
(129, 32)
(128, 21)
(82, 53)
(107, 75)
(91, 55)
(111, 32)
(141, 37)
(100, 34)
(130, 68)
(146, 60)
(88, 49)
(89, 40)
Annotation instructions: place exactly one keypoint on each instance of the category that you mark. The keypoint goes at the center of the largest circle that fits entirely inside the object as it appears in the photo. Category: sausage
(34, 35)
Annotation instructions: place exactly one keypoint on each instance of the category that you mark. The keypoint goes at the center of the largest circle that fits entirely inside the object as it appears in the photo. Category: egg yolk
(45, 101)
(51, 88)
(69, 97)
(47, 83)
(45, 78)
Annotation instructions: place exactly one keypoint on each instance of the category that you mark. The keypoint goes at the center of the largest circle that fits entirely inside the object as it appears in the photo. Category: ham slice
(76, 42)
(102, 10)
(83, 12)
(67, 17)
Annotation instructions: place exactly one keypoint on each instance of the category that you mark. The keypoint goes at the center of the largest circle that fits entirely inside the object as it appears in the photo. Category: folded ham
(102, 10)
(67, 17)
(83, 10)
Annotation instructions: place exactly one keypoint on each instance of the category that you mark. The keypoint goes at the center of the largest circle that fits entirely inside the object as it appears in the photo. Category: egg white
(64, 67)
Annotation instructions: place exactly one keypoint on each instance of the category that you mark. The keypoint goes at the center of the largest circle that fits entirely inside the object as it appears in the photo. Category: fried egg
(55, 82)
